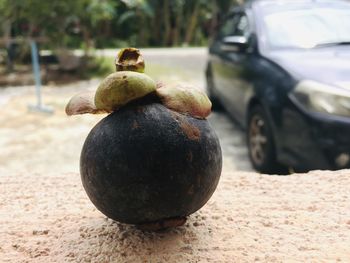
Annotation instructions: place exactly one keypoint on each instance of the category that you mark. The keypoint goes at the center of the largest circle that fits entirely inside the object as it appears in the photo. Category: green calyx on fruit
(129, 83)
(186, 100)
(130, 59)
(82, 103)
(122, 87)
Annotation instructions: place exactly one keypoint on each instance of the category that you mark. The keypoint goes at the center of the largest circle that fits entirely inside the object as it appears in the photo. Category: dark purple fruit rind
(147, 163)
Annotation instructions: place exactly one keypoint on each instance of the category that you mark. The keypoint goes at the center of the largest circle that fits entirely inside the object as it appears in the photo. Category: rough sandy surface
(251, 217)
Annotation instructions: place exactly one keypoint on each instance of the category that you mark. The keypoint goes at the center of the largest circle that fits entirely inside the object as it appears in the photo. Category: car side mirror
(234, 43)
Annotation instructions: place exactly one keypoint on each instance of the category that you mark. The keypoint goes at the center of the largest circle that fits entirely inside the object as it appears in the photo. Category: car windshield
(308, 28)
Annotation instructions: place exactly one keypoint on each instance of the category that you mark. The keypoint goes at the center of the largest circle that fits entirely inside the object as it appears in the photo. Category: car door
(231, 68)
(218, 55)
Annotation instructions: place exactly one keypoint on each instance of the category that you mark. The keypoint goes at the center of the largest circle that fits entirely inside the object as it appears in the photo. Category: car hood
(327, 65)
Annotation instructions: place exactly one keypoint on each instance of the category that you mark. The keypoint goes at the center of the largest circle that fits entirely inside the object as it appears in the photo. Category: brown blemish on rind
(135, 125)
(163, 224)
(191, 131)
(189, 156)
(191, 190)
(140, 109)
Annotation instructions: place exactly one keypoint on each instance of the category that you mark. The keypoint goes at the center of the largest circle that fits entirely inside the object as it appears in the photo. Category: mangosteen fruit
(154, 159)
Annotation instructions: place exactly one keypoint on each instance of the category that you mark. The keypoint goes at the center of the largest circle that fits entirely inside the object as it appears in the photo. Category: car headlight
(319, 97)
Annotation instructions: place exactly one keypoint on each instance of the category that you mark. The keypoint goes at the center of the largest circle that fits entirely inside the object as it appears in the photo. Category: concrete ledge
(251, 217)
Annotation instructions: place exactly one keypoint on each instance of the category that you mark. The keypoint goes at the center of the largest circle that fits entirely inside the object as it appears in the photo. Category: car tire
(261, 145)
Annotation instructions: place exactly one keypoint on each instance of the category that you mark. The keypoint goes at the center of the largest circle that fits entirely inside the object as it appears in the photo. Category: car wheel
(261, 146)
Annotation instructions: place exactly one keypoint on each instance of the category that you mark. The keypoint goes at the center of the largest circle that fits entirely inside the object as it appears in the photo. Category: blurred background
(77, 36)
(76, 43)
(110, 24)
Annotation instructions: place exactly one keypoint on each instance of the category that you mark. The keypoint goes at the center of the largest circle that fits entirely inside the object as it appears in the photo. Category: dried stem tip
(130, 59)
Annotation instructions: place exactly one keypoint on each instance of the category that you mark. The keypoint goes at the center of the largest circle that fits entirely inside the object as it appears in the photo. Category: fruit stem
(130, 59)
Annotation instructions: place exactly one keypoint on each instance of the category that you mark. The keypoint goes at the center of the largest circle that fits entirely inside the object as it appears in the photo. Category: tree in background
(109, 23)
(175, 22)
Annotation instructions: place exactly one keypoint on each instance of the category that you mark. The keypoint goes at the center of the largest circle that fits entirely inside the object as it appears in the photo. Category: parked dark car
(282, 70)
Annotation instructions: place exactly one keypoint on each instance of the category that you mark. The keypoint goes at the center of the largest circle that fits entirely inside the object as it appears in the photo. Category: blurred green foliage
(111, 23)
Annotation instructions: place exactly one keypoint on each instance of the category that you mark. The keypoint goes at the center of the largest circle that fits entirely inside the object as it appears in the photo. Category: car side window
(242, 27)
(229, 26)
